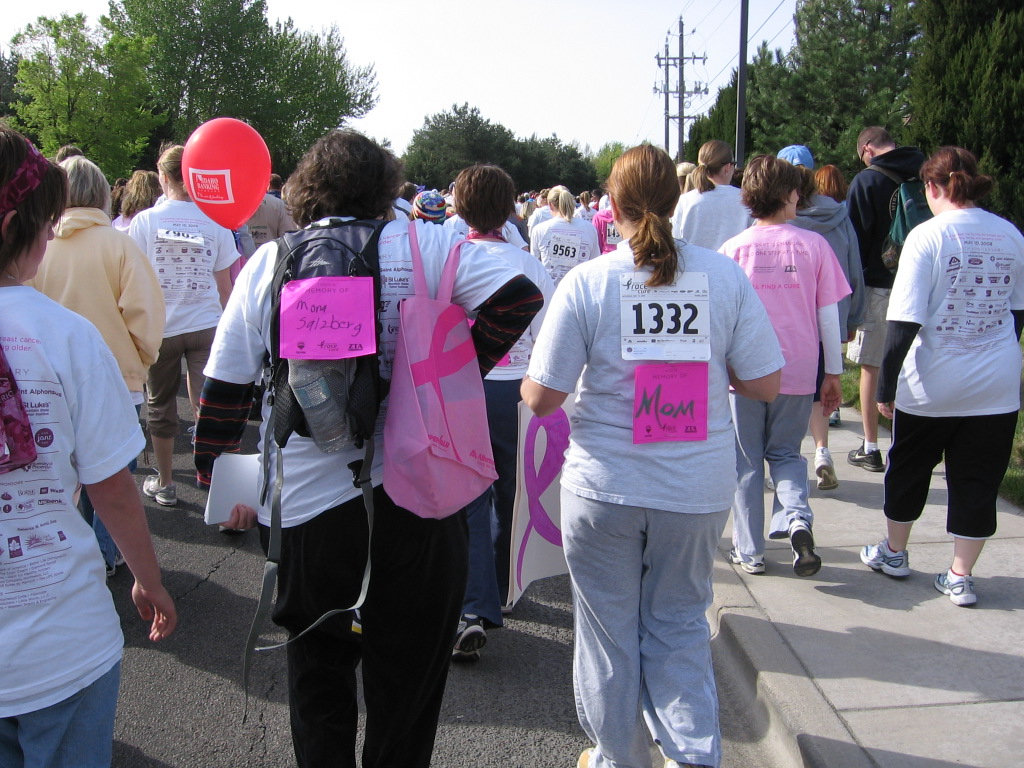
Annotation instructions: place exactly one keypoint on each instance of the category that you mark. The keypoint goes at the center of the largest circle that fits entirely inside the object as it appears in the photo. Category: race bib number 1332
(668, 322)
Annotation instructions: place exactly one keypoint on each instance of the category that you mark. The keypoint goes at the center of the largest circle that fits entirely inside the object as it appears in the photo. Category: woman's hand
(243, 517)
(155, 605)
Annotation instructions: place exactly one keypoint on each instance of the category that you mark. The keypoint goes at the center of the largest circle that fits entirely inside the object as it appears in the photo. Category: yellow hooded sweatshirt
(101, 274)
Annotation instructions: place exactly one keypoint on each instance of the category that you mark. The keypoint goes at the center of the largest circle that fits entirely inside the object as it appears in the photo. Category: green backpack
(907, 208)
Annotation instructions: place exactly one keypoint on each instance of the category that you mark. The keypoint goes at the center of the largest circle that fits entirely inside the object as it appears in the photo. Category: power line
(751, 36)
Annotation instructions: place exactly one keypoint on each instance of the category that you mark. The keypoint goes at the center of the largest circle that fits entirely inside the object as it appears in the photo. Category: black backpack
(335, 248)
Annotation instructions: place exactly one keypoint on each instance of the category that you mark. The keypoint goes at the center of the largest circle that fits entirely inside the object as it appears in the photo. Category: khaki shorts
(868, 344)
(165, 377)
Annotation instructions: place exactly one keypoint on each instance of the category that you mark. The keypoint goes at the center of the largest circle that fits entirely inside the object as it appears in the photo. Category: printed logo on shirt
(790, 268)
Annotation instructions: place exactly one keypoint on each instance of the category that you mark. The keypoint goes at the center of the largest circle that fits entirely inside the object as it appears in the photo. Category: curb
(799, 725)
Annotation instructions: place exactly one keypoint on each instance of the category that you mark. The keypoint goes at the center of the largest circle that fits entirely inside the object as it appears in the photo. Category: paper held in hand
(236, 480)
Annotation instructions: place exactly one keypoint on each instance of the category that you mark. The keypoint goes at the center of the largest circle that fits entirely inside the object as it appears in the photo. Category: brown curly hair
(343, 174)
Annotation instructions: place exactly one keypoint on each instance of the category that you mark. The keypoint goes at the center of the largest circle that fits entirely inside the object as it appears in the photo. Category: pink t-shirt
(608, 236)
(794, 272)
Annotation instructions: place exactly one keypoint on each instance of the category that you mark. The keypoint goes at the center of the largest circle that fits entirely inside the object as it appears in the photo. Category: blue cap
(797, 154)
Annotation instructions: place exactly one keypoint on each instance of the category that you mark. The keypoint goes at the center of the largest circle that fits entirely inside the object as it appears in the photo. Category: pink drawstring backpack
(17, 446)
(437, 446)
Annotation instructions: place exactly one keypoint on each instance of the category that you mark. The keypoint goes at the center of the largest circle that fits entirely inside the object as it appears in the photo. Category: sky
(582, 71)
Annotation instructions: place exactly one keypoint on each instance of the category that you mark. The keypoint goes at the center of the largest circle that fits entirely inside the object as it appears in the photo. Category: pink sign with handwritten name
(670, 402)
(327, 318)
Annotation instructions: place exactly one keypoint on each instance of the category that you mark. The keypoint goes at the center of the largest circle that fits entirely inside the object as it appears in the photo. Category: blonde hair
(169, 165)
(87, 186)
(561, 202)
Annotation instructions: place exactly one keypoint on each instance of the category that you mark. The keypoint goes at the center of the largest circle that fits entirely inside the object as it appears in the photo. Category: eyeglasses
(863, 150)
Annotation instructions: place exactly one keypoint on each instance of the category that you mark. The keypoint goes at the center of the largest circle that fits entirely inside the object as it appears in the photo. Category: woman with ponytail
(712, 211)
(563, 242)
(950, 375)
(657, 329)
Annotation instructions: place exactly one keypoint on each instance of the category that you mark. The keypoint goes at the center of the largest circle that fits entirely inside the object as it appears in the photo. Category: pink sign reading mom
(327, 318)
(670, 402)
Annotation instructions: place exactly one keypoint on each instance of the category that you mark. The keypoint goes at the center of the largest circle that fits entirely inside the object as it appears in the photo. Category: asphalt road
(181, 699)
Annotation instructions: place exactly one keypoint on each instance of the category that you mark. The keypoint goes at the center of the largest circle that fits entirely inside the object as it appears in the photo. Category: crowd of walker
(746, 297)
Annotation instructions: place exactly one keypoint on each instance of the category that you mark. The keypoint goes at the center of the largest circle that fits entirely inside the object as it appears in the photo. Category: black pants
(977, 450)
(418, 576)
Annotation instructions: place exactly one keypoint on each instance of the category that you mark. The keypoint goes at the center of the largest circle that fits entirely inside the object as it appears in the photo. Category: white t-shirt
(960, 274)
(508, 230)
(513, 366)
(315, 481)
(185, 247)
(582, 334)
(561, 245)
(58, 627)
(710, 218)
(586, 213)
(539, 216)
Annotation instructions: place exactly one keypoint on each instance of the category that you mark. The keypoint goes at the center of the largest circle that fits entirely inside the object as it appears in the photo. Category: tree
(849, 68)
(207, 55)
(311, 89)
(8, 81)
(605, 159)
(546, 162)
(214, 58)
(85, 86)
(967, 89)
(451, 141)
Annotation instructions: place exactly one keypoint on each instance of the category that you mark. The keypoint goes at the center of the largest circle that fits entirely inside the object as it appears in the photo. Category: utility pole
(741, 88)
(682, 95)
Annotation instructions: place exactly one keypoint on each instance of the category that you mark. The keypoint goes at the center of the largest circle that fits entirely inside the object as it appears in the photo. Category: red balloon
(226, 167)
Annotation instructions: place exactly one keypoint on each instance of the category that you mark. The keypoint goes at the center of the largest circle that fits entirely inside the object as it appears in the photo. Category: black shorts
(977, 451)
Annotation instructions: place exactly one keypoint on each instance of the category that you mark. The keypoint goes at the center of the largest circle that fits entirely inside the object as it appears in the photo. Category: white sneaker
(825, 469)
(959, 588)
(165, 495)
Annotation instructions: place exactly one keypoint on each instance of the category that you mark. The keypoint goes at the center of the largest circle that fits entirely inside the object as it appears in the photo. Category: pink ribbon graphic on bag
(440, 363)
(537, 481)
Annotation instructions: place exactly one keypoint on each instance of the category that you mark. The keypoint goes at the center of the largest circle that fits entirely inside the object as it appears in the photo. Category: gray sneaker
(754, 565)
(880, 558)
(959, 588)
(469, 638)
(165, 495)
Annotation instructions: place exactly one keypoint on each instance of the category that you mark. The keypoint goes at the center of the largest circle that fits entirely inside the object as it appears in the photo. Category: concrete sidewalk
(853, 668)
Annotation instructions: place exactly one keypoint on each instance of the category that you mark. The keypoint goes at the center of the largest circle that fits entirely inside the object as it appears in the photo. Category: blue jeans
(769, 432)
(107, 545)
(489, 516)
(75, 733)
(641, 582)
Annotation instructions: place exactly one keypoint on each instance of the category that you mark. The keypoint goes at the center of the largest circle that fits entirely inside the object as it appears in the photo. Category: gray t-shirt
(582, 334)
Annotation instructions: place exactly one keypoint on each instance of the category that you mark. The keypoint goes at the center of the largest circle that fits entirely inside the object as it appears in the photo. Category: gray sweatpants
(641, 582)
(769, 432)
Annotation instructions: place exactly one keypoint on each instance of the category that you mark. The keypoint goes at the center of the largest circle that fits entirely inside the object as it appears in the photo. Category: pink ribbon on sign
(440, 362)
(556, 426)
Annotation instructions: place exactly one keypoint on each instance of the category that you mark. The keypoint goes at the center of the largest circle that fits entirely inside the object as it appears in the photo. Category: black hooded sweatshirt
(871, 202)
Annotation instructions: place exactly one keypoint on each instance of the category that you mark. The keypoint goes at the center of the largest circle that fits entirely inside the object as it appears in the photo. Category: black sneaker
(805, 561)
(469, 639)
(870, 460)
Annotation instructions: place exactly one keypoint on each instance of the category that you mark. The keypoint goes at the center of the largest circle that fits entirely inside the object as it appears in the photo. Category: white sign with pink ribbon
(536, 522)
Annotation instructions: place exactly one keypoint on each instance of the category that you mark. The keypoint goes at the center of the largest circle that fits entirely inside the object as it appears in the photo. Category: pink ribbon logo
(556, 427)
(441, 363)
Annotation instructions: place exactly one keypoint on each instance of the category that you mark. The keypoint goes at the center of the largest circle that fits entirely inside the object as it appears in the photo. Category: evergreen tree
(968, 90)
(849, 68)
